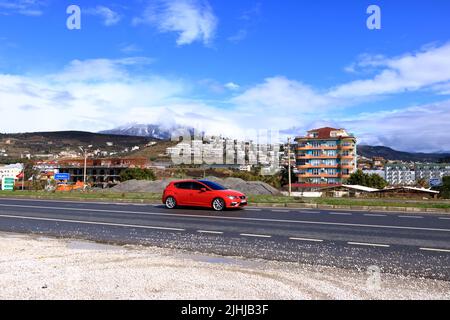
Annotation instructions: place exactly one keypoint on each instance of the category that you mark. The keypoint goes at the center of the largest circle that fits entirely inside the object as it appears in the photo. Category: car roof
(187, 180)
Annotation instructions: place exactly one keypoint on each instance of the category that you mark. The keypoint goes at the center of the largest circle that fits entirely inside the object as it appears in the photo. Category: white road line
(249, 209)
(433, 249)
(231, 218)
(305, 239)
(280, 210)
(66, 201)
(369, 244)
(92, 222)
(207, 231)
(374, 215)
(412, 217)
(444, 218)
(340, 213)
(255, 235)
(309, 211)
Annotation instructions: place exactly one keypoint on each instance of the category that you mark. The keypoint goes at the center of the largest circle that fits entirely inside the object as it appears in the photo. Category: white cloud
(232, 86)
(417, 128)
(410, 72)
(109, 16)
(282, 95)
(24, 7)
(105, 69)
(193, 20)
(130, 48)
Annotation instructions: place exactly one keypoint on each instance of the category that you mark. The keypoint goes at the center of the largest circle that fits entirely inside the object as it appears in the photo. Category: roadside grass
(87, 195)
(253, 199)
(432, 204)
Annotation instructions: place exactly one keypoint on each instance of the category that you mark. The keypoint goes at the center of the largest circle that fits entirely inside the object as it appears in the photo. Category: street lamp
(85, 152)
(289, 166)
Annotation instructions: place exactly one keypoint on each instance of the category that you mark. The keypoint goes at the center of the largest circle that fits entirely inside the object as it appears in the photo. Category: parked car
(202, 193)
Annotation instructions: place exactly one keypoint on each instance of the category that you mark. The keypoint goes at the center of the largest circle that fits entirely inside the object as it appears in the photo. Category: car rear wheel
(218, 204)
(170, 203)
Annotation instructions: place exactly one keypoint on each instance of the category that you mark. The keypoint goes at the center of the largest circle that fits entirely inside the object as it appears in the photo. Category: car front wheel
(218, 204)
(170, 203)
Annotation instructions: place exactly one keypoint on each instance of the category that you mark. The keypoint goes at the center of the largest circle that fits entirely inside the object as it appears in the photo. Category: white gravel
(33, 267)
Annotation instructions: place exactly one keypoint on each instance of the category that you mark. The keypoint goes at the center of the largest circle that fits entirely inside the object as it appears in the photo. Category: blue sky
(229, 67)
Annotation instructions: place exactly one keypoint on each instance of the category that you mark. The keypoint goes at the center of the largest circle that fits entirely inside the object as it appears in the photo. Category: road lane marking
(249, 209)
(444, 218)
(412, 217)
(369, 244)
(308, 211)
(374, 215)
(434, 249)
(340, 213)
(207, 231)
(280, 210)
(92, 222)
(255, 235)
(232, 218)
(69, 201)
(305, 239)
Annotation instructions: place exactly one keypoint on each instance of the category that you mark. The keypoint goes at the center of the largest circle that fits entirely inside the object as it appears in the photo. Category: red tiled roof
(323, 133)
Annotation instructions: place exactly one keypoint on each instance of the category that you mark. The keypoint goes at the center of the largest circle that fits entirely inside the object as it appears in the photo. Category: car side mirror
(203, 190)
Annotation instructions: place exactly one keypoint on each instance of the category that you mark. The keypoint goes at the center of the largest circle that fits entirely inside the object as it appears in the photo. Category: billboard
(435, 182)
(8, 183)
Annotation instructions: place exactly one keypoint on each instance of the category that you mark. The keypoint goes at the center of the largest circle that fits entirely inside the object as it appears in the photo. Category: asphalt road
(409, 244)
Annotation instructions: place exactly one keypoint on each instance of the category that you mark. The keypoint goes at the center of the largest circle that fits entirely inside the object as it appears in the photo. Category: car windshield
(213, 185)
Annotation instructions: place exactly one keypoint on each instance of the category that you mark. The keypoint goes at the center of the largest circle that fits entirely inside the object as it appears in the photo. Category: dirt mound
(142, 186)
(247, 187)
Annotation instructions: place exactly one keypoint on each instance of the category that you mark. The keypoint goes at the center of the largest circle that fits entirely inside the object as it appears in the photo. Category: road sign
(8, 183)
(62, 176)
(435, 182)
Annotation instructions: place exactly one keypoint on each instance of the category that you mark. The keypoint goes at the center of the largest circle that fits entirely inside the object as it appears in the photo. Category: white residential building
(432, 171)
(10, 171)
(399, 174)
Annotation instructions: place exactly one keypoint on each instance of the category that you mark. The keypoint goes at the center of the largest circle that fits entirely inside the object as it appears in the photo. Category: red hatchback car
(202, 193)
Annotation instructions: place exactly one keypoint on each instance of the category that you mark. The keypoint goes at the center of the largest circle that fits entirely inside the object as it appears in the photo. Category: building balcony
(310, 156)
(317, 148)
(320, 175)
(348, 156)
(310, 166)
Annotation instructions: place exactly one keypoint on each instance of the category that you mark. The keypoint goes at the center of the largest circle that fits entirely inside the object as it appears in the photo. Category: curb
(257, 204)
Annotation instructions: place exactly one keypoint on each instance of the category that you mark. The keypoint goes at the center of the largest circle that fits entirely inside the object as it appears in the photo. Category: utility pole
(85, 152)
(289, 166)
(23, 177)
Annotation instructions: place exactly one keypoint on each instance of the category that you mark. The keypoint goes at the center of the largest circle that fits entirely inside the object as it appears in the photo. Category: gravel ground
(248, 187)
(33, 267)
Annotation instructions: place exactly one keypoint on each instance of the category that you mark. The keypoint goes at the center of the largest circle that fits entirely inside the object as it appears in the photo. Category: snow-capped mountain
(146, 130)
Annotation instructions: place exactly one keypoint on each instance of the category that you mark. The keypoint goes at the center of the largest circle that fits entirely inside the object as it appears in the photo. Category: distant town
(323, 159)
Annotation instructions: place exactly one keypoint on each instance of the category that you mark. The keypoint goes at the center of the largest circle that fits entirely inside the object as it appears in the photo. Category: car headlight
(232, 197)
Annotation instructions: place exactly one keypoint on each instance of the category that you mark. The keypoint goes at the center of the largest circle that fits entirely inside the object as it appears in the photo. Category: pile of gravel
(142, 186)
(247, 187)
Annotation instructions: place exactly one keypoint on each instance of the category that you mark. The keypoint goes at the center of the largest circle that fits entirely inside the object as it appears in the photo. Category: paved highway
(409, 244)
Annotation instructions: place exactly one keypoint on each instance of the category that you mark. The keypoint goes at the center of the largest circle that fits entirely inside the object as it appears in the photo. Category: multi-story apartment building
(432, 171)
(325, 156)
(399, 174)
(10, 171)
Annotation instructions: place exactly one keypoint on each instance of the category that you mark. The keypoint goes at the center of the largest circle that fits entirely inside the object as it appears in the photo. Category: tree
(137, 174)
(367, 180)
(422, 183)
(445, 188)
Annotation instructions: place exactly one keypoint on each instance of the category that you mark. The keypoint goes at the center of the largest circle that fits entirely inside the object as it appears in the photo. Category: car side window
(197, 186)
(183, 185)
